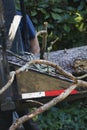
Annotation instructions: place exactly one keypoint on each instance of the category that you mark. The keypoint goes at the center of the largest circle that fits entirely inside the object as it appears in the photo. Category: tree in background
(67, 20)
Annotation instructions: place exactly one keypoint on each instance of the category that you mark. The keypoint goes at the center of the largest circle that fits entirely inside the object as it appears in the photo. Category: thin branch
(44, 41)
(62, 96)
(81, 83)
(16, 55)
(82, 77)
(43, 108)
(41, 32)
(52, 43)
(3, 89)
(48, 105)
(33, 101)
(57, 67)
(48, 63)
(28, 64)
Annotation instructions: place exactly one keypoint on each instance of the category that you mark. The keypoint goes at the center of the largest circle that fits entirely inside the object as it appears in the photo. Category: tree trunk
(73, 60)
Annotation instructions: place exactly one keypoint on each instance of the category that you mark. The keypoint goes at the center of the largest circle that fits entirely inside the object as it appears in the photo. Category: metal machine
(39, 83)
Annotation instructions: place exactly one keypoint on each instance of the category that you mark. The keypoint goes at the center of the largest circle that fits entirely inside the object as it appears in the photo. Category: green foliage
(66, 20)
(66, 117)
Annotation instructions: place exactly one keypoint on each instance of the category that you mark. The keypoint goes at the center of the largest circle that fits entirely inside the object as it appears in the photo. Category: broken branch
(43, 108)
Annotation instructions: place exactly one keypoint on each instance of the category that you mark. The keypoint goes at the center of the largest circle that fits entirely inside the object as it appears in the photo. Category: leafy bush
(66, 117)
(67, 20)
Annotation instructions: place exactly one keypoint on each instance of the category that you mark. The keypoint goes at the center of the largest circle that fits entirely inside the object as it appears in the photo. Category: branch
(28, 64)
(43, 108)
(48, 105)
(11, 78)
(57, 67)
(62, 96)
(81, 83)
(37, 102)
(52, 43)
(41, 32)
(82, 77)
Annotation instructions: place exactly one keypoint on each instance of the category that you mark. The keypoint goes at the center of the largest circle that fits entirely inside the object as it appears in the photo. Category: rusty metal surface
(38, 77)
(33, 81)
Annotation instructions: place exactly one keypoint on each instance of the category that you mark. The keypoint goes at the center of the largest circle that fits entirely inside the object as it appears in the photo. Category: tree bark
(73, 60)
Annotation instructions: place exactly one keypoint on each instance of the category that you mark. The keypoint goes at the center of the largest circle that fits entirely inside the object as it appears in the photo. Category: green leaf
(35, 20)
(80, 7)
(81, 27)
(57, 10)
(70, 8)
(79, 18)
(47, 16)
(56, 16)
(66, 28)
(33, 13)
(43, 10)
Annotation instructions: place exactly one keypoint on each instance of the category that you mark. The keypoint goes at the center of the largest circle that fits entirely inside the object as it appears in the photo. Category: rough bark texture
(72, 60)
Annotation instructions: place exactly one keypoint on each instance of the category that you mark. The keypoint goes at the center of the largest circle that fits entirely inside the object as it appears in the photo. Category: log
(73, 60)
